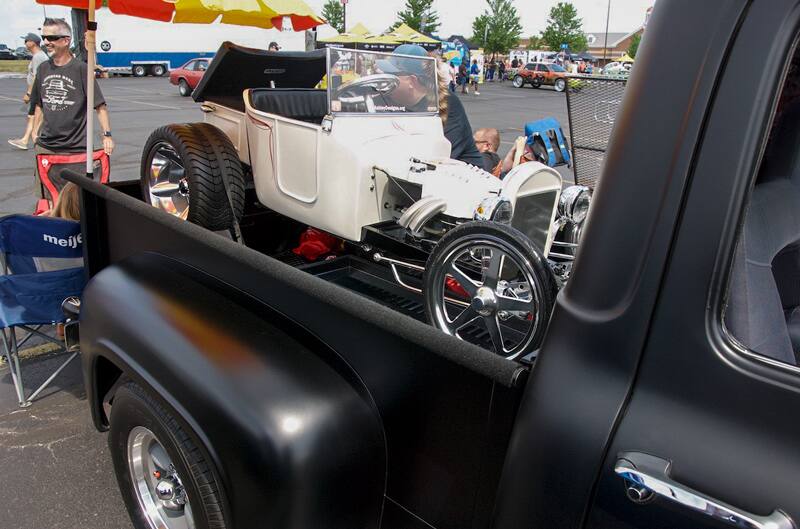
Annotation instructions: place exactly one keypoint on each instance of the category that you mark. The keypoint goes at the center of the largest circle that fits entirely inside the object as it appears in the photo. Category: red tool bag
(51, 166)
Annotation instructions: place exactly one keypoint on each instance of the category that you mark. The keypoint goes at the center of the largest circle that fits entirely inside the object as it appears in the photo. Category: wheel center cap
(484, 302)
(165, 490)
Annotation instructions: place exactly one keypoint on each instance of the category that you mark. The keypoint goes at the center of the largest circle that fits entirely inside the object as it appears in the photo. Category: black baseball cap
(273, 44)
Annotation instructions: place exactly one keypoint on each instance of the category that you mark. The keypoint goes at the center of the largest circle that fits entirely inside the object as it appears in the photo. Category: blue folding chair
(41, 259)
(549, 133)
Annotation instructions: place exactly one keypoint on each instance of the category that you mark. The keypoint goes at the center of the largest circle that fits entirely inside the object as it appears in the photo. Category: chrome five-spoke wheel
(486, 280)
(158, 487)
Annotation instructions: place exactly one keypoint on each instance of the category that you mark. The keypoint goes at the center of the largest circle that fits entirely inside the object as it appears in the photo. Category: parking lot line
(14, 99)
(150, 92)
(126, 100)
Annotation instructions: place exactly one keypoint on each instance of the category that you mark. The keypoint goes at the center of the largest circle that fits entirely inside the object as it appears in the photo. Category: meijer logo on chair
(72, 242)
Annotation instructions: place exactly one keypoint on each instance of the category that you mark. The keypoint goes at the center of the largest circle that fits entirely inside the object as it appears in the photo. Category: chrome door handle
(647, 477)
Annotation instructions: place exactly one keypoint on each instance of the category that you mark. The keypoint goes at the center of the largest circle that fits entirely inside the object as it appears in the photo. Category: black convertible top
(236, 68)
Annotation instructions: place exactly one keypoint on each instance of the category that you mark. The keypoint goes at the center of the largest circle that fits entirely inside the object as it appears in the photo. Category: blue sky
(455, 15)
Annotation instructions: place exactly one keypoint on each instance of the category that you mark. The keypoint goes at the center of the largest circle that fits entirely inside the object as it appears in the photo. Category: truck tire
(184, 89)
(158, 70)
(166, 479)
(182, 172)
(138, 70)
(460, 270)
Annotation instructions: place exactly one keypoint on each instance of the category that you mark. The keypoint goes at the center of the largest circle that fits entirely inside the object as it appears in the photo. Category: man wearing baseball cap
(273, 46)
(413, 94)
(32, 43)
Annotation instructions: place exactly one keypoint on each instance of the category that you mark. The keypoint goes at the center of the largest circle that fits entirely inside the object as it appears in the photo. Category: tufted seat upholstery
(303, 104)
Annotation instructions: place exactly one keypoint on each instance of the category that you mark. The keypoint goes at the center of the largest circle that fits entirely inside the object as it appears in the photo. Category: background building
(617, 46)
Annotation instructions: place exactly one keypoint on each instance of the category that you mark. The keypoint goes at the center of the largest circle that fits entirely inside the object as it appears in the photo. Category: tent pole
(91, 60)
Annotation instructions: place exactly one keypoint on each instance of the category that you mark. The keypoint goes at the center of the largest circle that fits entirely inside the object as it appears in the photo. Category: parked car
(242, 391)
(6, 54)
(617, 68)
(537, 74)
(189, 75)
(22, 53)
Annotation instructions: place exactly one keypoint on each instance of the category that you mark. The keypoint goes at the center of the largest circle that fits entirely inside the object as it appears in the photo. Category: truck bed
(447, 406)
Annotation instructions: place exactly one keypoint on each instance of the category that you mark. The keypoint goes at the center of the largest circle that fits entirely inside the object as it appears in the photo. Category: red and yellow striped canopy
(258, 13)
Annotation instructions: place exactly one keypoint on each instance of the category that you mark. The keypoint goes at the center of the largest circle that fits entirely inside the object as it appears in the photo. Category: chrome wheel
(167, 183)
(486, 281)
(518, 81)
(157, 486)
(560, 85)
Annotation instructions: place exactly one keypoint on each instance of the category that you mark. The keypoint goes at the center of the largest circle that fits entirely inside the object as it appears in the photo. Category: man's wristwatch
(107, 134)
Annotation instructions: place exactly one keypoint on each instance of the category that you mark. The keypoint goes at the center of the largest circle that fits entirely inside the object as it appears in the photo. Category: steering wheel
(380, 83)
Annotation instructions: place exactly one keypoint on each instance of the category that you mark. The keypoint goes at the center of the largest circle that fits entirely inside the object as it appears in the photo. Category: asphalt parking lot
(56, 469)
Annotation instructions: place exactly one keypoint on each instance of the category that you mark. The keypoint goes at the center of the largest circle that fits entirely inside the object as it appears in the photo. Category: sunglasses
(53, 38)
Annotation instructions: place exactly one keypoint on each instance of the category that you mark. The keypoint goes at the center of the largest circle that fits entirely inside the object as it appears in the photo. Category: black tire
(134, 407)
(138, 70)
(560, 84)
(158, 70)
(206, 154)
(518, 81)
(542, 276)
(537, 81)
(183, 88)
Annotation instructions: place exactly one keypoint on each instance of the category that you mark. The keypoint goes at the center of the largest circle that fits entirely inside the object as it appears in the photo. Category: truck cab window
(763, 309)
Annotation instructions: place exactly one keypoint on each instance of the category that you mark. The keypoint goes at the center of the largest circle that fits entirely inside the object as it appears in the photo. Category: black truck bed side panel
(301, 439)
(447, 406)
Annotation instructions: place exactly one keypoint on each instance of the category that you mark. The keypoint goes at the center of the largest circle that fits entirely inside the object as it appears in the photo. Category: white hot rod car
(366, 160)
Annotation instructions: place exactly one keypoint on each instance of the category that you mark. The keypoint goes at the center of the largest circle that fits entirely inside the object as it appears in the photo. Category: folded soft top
(236, 68)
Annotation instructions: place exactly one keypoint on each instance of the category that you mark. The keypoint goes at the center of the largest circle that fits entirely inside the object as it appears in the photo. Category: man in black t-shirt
(59, 94)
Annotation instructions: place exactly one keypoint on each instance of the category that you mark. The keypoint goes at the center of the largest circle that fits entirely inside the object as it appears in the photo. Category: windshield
(381, 83)
(557, 68)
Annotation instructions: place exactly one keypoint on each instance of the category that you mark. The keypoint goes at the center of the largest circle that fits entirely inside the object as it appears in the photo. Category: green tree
(504, 28)
(534, 42)
(419, 15)
(333, 13)
(564, 26)
(634, 46)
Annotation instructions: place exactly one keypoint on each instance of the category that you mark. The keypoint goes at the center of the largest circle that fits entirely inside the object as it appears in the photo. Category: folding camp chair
(41, 259)
(50, 167)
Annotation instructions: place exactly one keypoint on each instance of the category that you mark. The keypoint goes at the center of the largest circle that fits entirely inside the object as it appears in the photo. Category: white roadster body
(342, 171)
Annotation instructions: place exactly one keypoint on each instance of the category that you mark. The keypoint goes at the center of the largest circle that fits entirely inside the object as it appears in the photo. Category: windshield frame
(328, 88)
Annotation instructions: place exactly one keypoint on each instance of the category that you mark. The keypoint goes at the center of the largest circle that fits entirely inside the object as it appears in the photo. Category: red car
(537, 74)
(188, 76)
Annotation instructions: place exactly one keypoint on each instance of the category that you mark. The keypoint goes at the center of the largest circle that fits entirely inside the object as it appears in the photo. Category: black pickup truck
(242, 391)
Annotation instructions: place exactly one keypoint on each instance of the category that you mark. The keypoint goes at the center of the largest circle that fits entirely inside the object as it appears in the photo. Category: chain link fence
(592, 106)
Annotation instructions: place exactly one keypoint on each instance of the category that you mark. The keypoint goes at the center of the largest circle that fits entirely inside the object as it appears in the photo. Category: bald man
(487, 140)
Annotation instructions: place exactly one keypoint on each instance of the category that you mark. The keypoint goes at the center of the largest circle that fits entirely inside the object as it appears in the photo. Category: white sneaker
(19, 144)
(477, 93)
